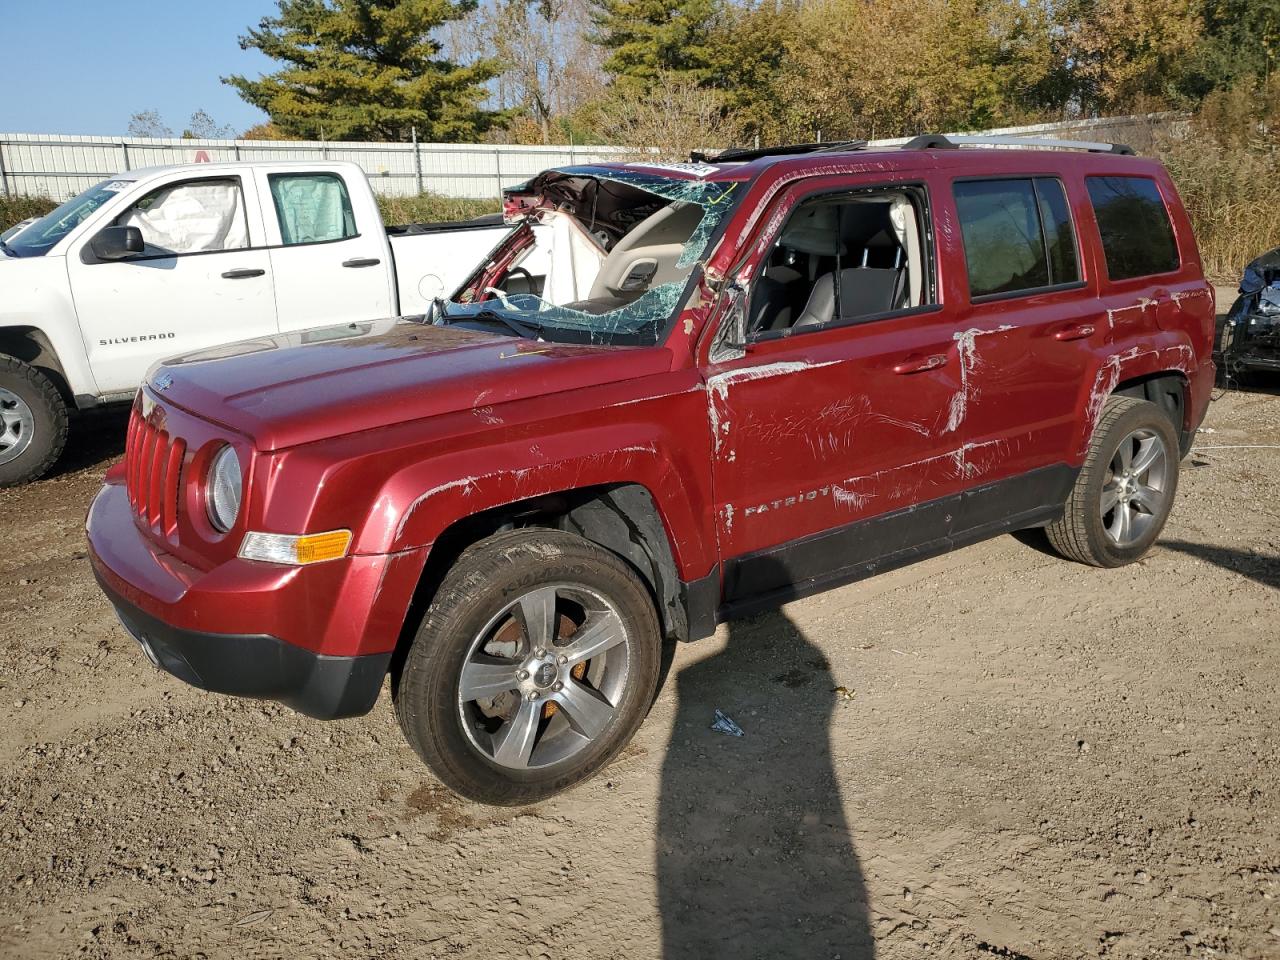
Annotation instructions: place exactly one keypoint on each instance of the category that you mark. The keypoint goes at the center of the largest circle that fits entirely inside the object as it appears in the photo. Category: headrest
(813, 231)
(881, 240)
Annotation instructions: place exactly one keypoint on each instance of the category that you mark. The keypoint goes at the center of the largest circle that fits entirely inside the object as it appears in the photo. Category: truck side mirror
(731, 338)
(117, 243)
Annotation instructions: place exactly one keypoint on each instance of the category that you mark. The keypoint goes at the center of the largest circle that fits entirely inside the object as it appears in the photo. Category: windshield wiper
(528, 332)
(441, 317)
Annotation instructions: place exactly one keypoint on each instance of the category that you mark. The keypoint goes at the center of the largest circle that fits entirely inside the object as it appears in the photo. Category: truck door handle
(361, 262)
(242, 274)
(1077, 331)
(919, 362)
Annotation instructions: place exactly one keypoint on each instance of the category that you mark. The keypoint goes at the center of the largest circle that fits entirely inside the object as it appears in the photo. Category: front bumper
(318, 639)
(258, 665)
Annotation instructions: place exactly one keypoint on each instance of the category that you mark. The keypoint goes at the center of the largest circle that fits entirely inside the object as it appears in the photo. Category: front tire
(534, 666)
(33, 423)
(1125, 490)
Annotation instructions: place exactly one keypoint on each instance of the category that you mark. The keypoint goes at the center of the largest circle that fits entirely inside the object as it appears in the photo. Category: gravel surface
(993, 753)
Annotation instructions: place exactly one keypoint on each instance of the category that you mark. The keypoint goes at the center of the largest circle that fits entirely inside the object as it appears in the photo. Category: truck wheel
(1125, 490)
(534, 665)
(33, 423)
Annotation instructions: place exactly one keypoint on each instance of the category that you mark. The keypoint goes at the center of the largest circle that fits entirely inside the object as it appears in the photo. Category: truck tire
(1125, 491)
(534, 665)
(33, 423)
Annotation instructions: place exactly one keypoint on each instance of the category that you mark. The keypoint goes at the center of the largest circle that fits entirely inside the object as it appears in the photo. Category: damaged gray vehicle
(1249, 336)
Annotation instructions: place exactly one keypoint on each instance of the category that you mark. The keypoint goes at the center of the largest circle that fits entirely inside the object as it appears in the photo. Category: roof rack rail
(937, 141)
(736, 154)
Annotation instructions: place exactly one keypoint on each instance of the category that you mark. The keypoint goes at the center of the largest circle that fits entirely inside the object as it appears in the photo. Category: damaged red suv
(673, 395)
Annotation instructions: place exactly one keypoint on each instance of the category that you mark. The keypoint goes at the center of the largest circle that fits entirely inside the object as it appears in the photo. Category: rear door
(203, 278)
(329, 252)
(1027, 331)
(831, 431)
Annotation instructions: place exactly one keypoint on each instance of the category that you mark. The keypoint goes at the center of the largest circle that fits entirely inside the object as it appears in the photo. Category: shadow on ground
(1248, 563)
(754, 855)
(94, 437)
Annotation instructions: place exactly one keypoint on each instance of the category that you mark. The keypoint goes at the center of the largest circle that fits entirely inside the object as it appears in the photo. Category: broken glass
(644, 315)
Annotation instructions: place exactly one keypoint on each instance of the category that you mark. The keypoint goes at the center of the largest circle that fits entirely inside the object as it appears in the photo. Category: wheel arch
(623, 518)
(32, 346)
(1170, 391)
(1164, 368)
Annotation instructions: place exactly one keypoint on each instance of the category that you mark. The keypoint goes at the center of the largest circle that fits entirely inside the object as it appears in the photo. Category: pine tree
(652, 38)
(366, 70)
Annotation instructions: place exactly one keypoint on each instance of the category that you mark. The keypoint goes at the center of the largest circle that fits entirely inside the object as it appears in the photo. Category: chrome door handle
(242, 274)
(361, 262)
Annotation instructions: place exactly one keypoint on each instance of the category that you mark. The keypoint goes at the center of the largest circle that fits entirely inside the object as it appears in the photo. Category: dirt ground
(1029, 759)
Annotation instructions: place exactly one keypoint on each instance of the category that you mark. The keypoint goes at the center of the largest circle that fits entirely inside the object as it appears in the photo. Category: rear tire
(535, 664)
(33, 423)
(1125, 490)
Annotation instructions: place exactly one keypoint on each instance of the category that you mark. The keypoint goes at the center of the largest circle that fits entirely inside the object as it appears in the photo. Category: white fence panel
(61, 166)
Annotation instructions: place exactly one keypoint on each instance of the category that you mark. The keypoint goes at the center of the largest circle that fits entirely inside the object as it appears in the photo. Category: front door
(841, 420)
(197, 283)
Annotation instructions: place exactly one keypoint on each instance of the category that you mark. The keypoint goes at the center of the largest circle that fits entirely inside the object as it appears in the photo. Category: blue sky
(74, 66)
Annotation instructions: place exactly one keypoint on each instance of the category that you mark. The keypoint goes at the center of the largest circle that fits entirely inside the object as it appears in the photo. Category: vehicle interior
(603, 245)
(843, 259)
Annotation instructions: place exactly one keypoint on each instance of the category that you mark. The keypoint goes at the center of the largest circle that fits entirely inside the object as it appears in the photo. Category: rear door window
(312, 207)
(1018, 235)
(1137, 238)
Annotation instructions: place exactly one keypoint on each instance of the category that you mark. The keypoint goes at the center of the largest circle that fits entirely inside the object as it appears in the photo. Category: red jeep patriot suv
(673, 394)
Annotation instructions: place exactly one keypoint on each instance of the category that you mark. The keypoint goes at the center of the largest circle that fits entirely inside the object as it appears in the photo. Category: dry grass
(430, 208)
(1232, 195)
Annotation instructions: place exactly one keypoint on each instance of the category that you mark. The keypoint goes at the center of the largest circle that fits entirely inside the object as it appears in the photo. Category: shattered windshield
(607, 251)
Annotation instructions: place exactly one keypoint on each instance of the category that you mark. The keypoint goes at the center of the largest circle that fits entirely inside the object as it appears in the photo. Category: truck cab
(166, 260)
(727, 384)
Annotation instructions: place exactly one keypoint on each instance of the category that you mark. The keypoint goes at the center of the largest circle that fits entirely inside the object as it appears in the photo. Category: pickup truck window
(1137, 237)
(1017, 235)
(842, 258)
(312, 207)
(39, 238)
(620, 249)
(195, 216)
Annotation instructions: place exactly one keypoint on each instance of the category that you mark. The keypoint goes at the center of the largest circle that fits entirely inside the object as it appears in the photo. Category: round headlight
(223, 491)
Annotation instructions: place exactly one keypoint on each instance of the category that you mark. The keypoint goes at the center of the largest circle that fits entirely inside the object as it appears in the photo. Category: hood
(297, 388)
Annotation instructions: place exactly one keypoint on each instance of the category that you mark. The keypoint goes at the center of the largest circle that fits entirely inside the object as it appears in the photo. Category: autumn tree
(673, 117)
(646, 39)
(148, 124)
(1128, 55)
(548, 67)
(872, 70)
(1239, 46)
(366, 69)
(748, 56)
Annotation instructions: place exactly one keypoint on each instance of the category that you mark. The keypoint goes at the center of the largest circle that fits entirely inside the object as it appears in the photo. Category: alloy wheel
(17, 426)
(1134, 495)
(543, 679)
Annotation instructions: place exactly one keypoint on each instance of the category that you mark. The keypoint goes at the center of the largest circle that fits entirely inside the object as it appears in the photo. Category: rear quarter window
(1137, 237)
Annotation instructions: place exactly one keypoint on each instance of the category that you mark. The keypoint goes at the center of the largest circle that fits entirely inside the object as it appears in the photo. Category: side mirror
(117, 243)
(731, 338)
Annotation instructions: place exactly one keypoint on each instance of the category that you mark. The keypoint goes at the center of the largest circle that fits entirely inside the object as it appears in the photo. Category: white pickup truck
(165, 260)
